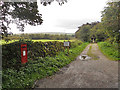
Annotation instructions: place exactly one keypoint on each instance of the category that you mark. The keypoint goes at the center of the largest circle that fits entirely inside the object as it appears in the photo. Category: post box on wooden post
(23, 53)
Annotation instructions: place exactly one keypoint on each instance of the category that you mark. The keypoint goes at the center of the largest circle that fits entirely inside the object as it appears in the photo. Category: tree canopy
(111, 20)
(83, 33)
(21, 13)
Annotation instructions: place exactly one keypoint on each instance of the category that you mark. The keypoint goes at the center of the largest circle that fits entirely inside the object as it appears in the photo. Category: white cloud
(69, 16)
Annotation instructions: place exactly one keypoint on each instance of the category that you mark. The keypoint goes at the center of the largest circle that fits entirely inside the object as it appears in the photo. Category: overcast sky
(68, 17)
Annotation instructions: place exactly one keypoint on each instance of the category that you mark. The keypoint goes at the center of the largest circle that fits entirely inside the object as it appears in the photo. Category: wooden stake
(68, 50)
(64, 49)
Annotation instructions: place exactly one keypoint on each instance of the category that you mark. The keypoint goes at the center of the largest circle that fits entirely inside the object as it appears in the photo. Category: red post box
(23, 53)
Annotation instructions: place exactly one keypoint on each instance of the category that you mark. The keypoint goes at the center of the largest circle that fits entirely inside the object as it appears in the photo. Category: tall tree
(83, 33)
(111, 20)
(98, 32)
(20, 13)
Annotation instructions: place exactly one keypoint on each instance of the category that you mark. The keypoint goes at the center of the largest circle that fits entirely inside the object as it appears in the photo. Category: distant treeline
(40, 36)
(89, 31)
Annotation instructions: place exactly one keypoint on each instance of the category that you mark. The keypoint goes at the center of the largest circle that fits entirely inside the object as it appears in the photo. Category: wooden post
(68, 50)
(64, 49)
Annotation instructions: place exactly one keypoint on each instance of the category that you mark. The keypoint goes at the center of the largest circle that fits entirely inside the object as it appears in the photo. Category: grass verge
(35, 70)
(90, 54)
(109, 50)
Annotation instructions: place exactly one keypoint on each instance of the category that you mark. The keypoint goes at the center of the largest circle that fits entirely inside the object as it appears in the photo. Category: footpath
(89, 73)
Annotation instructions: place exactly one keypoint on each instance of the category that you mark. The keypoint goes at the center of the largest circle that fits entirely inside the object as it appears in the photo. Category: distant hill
(53, 33)
(58, 33)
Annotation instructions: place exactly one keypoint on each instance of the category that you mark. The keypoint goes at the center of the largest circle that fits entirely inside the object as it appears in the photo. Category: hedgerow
(28, 73)
(11, 53)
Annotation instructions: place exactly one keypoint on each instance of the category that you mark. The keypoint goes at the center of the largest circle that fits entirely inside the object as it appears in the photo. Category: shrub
(76, 43)
(11, 53)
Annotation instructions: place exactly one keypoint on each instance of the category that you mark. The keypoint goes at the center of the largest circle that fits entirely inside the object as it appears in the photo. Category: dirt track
(101, 73)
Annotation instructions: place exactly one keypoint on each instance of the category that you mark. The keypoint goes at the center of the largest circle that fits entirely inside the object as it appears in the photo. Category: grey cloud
(71, 24)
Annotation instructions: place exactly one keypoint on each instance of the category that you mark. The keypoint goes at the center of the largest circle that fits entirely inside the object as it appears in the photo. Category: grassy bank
(42, 67)
(111, 51)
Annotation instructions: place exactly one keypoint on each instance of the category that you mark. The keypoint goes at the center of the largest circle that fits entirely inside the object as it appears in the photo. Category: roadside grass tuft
(90, 54)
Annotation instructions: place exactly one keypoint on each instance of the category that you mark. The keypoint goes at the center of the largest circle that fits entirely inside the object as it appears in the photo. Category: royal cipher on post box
(23, 53)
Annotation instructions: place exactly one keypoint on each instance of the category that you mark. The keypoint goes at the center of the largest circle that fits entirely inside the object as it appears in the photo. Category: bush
(76, 43)
(11, 53)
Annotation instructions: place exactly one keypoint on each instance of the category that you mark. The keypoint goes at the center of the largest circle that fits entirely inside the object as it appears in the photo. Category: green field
(2, 42)
(46, 40)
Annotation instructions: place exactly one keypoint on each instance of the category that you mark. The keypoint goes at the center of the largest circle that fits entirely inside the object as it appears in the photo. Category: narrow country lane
(101, 73)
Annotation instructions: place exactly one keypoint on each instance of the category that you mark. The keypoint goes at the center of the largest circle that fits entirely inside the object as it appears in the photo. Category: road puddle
(84, 57)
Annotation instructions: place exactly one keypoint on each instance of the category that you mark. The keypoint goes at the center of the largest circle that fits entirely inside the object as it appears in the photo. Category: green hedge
(37, 69)
(11, 53)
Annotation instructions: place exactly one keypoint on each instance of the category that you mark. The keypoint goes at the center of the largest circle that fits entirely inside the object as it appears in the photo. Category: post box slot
(24, 47)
